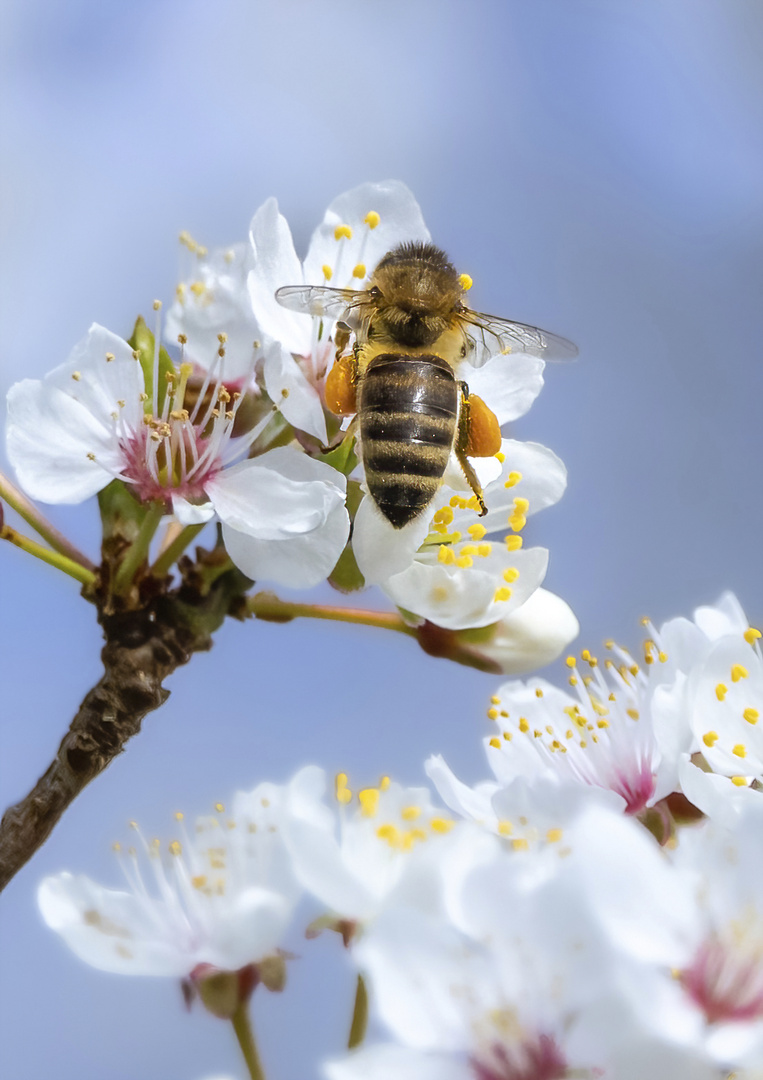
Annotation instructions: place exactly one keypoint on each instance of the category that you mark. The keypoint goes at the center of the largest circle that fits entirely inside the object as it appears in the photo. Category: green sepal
(121, 513)
(343, 457)
(142, 341)
(346, 576)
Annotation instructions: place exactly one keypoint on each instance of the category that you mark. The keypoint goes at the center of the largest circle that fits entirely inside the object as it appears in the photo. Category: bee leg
(341, 383)
(462, 444)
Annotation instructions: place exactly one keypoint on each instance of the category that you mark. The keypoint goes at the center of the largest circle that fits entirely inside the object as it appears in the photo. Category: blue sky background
(597, 168)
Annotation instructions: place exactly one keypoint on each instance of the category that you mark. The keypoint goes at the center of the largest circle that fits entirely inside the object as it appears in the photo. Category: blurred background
(597, 168)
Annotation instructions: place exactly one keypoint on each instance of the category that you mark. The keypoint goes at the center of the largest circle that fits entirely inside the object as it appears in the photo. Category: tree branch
(142, 648)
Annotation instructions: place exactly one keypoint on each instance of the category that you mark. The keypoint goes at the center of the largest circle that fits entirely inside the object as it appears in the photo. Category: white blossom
(86, 423)
(222, 894)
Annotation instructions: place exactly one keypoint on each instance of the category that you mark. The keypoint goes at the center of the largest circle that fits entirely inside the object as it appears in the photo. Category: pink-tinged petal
(380, 549)
(399, 220)
(276, 264)
(507, 384)
(299, 401)
(61, 453)
(103, 386)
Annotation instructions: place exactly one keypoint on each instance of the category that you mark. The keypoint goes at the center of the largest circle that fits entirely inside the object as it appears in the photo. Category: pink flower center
(539, 1059)
(636, 786)
(726, 980)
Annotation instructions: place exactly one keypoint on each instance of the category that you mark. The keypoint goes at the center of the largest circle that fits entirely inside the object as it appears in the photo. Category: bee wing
(322, 300)
(491, 335)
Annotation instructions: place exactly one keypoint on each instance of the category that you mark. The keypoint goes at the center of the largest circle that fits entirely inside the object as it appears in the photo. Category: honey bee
(412, 330)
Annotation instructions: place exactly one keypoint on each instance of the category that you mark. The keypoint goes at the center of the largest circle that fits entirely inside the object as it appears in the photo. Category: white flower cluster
(239, 430)
(575, 917)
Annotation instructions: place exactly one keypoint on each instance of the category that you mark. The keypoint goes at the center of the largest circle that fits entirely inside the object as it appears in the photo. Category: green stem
(138, 551)
(245, 1035)
(54, 558)
(174, 550)
(268, 606)
(359, 1016)
(32, 516)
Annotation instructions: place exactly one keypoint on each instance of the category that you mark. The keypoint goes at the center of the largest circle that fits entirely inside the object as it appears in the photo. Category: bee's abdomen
(407, 414)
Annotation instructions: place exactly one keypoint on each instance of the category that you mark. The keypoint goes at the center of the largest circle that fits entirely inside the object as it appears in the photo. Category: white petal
(189, 513)
(284, 517)
(507, 384)
(276, 264)
(459, 599)
(390, 1060)
(543, 481)
(110, 930)
(49, 439)
(400, 220)
(533, 635)
(715, 796)
(102, 384)
(380, 549)
(298, 400)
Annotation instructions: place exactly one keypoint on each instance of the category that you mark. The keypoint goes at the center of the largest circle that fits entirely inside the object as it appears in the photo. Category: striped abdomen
(407, 411)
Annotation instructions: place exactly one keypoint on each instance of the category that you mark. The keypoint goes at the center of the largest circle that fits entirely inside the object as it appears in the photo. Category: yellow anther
(342, 792)
(359, 271)
(517, 522)
(502, 594)
(197, 288)
(465, 282)
(468, 549)
(571, 661)
(751, 635)
(369, 801)
(441, 825)
(343, 231)
(538, 692)
(513, 543)
(507, 736)
(602, 723)
(179, 816)
(554, 836)
(388, 833)
(520, 844)
(720, 691)
(662, 656)
(521, 506)
(505, 828)
(372, 219)
(410, 813)
(523, 725)
(512, 479)
(500, 456)
(219, 807)
(739, 750)
(175, 848)
(633, 713)
(495, 700)
(76, 375)
(443, 516)
(464, 561)
(495, 742)
(493, 714)
(738, 671)
(510, 574)
(384, 783)
(116, 846)
(483, 550)
(740, 781)
(199, 881)
(751, 715)
(476, 531)
(328, 273)
(446, 555)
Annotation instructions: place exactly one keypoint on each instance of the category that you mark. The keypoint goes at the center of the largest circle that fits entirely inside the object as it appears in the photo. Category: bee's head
(416, 293)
